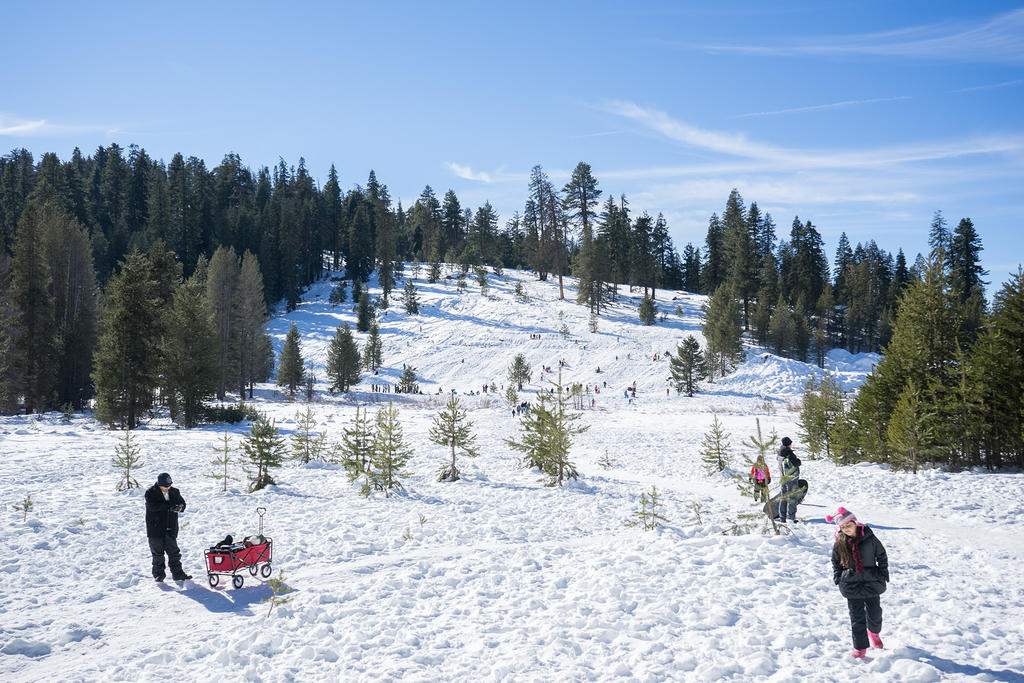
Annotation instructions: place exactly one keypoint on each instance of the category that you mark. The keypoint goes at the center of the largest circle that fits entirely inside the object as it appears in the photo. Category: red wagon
(233, 559)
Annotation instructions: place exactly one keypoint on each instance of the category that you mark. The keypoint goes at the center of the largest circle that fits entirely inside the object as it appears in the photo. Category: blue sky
(862, 117)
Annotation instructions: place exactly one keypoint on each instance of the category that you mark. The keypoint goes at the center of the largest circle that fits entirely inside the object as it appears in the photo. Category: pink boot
(858, 654)
(876, 641)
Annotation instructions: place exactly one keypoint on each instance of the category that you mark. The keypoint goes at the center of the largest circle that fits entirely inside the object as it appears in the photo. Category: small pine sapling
(648, 517)
(126, 458)
(25, 507)
(547, 433)
(356, 449)
(715, 449)
(520, 292)
(390, 452)
(511, 396)
(747, 485)
(306, 445)
(606, 461)
(278, 589)
(564, 331)
(221, 461)
(453, 429)
(67, 412)
(265, 448)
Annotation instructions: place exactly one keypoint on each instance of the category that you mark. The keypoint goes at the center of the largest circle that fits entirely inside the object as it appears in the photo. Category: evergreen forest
(140, 283)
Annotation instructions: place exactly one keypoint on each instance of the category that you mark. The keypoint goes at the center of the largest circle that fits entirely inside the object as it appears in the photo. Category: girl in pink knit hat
(861, 570)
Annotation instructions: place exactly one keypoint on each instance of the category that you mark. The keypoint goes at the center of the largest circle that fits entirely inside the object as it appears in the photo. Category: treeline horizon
(79, 221)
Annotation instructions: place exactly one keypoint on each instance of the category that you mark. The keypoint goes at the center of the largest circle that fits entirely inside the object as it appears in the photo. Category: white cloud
(738, 144)
(17, 128)
(467, 173)
(818, 107)
(999, 39)
(1006, 84)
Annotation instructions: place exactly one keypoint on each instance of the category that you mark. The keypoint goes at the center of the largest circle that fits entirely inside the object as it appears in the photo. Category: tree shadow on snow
(950, 667)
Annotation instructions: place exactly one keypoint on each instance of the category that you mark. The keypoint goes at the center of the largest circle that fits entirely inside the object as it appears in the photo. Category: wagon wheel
(265, 570)
(237, 581)
(213, 579)
(253, 569)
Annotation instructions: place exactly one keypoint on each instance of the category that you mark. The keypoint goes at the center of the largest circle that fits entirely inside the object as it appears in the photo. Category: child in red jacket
(760, 477)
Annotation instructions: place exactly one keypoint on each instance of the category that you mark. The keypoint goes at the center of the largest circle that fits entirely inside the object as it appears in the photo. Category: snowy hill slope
(463, 341)
(496, 577)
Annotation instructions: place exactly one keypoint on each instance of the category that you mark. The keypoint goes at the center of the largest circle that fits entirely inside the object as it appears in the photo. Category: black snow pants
(165, 544)
(865, 615)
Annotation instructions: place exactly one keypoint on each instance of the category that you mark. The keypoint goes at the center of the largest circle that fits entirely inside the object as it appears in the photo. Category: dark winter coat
(161, 520)
(870, 582)
(789, 464)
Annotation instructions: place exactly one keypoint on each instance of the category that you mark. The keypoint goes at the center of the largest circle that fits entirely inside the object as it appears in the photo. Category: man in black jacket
(163, 503)
(789, 468)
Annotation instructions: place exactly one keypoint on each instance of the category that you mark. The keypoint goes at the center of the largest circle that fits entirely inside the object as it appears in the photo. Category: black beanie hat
(164, 479)
(786, 441)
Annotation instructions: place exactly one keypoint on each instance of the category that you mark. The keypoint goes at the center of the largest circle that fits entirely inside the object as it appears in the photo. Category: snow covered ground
(496, 577)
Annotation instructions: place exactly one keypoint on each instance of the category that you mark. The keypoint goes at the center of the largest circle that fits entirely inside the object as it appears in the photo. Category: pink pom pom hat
(841, 517)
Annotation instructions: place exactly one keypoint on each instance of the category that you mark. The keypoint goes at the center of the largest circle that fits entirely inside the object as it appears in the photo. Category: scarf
(858, 564)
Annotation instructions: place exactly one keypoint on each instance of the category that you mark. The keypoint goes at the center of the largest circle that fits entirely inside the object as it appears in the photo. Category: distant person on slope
(860, 568)
(789, 467)
(163, 503)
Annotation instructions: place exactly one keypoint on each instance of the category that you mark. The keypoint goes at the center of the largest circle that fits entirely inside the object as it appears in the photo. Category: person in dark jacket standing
(789, 468)
(163, 504)
(860, 568)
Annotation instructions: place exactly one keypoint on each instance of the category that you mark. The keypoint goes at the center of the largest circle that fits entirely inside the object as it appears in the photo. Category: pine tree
(547, 435)
(222, 282)
(343, 360)
(306, 446)
(75, 303)
(822, 411)
(356, 448)
(965, 260)
(126, 358)
(581, 197)
(648, 311)
(722, 330)
(365, 315)
(511, 397)
(782, 329)
(687, 365)
(290, 366)
(373, 349)
(126, 459)
(250, 312)
(407, 383)
(412, 304)
(222, 460)
(909, 433)
(33, 301)
(923, 349)
(189, 353)
(265, 448)
(453, 429)
(715, 448)
(390, 452)
(763, 447)
(519, 372)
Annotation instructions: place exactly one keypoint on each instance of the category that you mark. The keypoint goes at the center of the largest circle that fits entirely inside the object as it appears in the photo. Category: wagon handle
(261, 512)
